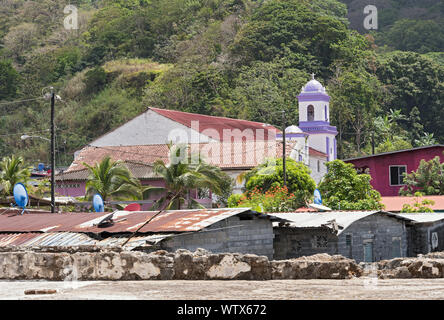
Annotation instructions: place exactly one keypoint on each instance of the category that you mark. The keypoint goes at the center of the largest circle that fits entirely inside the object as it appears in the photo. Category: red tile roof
(396, 203)
(218, 123)
(314, 152)
(240, 155)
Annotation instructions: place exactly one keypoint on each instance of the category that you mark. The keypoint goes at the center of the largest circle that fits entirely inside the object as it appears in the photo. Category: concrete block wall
(239, 235)
(297, 242)
(379, 228)
(420, 241)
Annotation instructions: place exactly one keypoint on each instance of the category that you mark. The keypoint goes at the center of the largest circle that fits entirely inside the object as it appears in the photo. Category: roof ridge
(210, 116)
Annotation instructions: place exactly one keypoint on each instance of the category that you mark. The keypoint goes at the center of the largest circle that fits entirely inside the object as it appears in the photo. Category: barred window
(320, 242)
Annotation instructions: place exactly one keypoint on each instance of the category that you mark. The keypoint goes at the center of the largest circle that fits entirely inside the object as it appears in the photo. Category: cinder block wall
(297, 242)
(244, 236)
(381, 230)
(420, 241)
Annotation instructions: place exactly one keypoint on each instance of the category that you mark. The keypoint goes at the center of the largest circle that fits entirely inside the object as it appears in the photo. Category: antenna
(98, 203)
(20, 196)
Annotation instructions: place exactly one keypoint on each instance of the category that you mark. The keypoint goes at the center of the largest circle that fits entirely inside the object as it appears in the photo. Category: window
(310, 113)
(320, 242)
(396, 175)
(348, 240)
(319, 166)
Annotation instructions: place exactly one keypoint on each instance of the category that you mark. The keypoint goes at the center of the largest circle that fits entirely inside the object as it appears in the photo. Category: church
(232, 144)
(315, 138)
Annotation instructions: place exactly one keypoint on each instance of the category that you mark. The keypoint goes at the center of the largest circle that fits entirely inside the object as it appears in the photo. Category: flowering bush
(275, 199)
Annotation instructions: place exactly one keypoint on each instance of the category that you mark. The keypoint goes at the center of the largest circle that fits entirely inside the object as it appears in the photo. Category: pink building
(386, 169)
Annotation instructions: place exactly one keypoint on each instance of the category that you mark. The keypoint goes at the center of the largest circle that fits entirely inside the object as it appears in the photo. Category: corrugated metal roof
(423, 217)
(68, 239)
(124, 221)
(318, 219)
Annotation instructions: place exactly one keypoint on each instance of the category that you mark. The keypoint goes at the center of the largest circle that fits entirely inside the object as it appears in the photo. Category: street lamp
(52, 96)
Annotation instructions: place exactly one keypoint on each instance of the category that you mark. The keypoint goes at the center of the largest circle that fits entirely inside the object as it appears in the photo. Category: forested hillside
(237, 58)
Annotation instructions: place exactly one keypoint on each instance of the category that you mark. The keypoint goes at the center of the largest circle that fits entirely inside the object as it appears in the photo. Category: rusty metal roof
(124, 221)
(61, 239)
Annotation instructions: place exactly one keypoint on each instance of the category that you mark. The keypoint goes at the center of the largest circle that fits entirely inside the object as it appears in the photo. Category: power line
(19, 101)
(22, 133)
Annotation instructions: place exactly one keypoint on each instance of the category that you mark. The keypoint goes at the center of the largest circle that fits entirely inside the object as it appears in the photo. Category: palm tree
(112, 179)
(12, 170)
(182, 174)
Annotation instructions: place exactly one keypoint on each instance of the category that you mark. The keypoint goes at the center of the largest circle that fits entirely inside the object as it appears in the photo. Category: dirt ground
(360, 288)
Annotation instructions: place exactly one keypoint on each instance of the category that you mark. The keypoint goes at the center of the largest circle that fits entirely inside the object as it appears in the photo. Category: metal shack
(216, 230)
(425, 232)
(364, 236)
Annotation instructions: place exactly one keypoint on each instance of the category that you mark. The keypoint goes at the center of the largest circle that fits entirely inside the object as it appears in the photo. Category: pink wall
(77, 189)
(380, 166)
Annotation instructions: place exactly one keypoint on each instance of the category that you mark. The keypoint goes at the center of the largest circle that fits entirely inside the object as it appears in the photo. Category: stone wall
(424, 266)
(162, 265)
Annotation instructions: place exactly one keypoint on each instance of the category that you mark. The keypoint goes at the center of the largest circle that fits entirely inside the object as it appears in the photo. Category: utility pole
(283, 148)
(52, 153)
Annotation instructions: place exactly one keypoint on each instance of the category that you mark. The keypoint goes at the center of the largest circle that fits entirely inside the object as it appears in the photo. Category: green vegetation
(112, 180)
(342, 188)
(238, 58)
(423, 206)
(12, 171)
(265, 189)
(183, 174)
(427, 179)
(275, 199)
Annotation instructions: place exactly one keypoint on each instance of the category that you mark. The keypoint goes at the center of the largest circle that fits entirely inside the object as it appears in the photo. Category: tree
(270, 175)
(355, 96)
(414, 80)
(428, 179)
(9, 80)
(112, 179)
(427, 139)
(183, 174)
(415, 35)
(342, 188)
(12, 171)
(423, 206)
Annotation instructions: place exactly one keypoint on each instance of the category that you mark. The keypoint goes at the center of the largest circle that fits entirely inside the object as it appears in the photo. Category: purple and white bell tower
(314, 118)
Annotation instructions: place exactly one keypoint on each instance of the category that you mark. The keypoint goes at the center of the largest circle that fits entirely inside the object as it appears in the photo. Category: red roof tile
(218, 123)
(238, 155)
(396, 203)
(314, 152)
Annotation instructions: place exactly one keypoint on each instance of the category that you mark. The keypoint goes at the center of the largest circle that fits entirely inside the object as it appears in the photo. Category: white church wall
(147, 128)
(318, 168)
